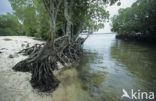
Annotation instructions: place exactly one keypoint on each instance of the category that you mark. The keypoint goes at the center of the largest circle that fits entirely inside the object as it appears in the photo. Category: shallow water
(15, 86)
(110, 65)
(107, 66)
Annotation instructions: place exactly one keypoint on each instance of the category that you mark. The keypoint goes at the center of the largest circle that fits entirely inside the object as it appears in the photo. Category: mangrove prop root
(43, 78)
(31, 50)
(42, 61)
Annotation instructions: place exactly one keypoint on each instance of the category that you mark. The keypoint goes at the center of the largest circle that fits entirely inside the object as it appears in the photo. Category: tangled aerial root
(43, 61)
(43, 78)
(32, 49)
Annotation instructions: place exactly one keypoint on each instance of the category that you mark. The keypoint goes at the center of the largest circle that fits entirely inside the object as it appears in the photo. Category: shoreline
(15, 86)
(136, 37)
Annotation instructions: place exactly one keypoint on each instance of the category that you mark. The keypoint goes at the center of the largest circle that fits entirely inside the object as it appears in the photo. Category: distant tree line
(30, 17)
(9, 25)
(137, 22)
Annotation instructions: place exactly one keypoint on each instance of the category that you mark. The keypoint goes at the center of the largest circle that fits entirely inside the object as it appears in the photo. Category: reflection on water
(109, 65)
(139, 59)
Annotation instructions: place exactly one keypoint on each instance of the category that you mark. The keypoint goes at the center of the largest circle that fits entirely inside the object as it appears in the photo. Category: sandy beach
(15, 86)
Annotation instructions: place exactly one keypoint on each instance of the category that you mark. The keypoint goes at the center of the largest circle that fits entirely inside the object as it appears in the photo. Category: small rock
(25, 41)
(22, 45)
(27, 45)
(11, 56)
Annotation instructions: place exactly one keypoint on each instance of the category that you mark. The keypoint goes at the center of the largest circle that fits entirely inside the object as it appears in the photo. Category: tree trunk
(43, 58)
(52, 37)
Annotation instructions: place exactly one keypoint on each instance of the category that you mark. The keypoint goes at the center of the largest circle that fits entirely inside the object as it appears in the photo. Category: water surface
(107, 66)
(110, 65)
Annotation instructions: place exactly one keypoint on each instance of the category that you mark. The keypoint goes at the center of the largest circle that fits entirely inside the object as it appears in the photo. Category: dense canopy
(32, 17)
(137, 21)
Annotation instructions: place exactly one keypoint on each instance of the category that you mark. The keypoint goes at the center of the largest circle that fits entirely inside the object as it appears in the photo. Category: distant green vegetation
(137, 22)
(9, 25)
(30, 18)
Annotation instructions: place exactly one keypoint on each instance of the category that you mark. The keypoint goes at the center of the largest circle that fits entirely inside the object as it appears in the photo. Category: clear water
(107, 66)
(110, 65)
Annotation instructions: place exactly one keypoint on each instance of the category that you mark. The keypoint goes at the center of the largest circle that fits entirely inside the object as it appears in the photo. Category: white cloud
(113, 11)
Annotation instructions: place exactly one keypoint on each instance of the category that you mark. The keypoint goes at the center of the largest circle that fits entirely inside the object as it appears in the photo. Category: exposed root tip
(22, 67)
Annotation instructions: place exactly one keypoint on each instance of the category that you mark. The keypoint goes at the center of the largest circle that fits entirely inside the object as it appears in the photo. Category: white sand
(15, 86)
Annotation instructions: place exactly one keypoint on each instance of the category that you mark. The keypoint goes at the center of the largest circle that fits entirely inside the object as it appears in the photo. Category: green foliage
(34, 20)
(9, 25)
(42, 19)
(33, 16)
(140, 18)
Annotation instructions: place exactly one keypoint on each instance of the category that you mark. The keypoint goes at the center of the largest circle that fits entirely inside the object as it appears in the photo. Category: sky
(5, 7)
(113, 10)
